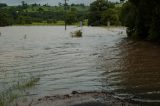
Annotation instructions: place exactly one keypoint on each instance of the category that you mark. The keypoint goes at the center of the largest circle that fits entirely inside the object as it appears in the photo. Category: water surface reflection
(136, 72)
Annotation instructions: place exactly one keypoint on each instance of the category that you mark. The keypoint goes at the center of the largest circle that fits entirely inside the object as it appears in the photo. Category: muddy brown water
(102, 60)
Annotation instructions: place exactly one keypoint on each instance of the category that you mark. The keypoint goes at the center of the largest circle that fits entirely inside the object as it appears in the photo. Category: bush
(5, 19)
(141, 17)
(77, 33)
(102, 11)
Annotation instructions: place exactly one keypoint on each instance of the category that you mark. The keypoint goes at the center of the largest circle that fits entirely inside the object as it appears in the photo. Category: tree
(24, 5)
(102, 11)
(3, 5)
(36, 13)
(110, 15)
(5, 19)
(127, 17)
(122, 1)
(96, 9)
(71, 16)
(142, 19)
(40, 9)
(59, 4)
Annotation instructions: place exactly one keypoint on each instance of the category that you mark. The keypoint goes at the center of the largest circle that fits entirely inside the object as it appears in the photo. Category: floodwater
(102, 60)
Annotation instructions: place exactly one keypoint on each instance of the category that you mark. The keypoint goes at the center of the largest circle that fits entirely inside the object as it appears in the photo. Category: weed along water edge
(9, 95)
(101, 64)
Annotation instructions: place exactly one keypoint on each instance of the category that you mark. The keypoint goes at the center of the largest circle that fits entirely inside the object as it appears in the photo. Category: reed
(14, 92)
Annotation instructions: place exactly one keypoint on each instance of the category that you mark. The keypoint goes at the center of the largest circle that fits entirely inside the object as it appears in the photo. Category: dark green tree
(3, 5)
(71, 16)
(96, 9)
(102, 11)
(5, 18)
(142, 19)
(24, 5)
(110, 15)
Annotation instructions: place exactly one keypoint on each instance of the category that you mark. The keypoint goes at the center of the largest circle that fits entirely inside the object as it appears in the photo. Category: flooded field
(102, 60)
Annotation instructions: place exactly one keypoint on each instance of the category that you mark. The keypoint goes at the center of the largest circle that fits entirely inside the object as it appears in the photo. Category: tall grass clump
(15, 91)
(77, 33)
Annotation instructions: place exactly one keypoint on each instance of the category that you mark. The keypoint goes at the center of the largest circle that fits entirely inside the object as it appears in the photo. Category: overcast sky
(50, 2)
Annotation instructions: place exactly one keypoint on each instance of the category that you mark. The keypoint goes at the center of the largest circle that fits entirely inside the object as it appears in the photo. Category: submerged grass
(77, 33)
(9, 95)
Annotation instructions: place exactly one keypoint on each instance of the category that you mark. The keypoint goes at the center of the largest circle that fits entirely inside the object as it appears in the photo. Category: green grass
(85, 23)
(45, 23)
(58, 23)
(9, 95)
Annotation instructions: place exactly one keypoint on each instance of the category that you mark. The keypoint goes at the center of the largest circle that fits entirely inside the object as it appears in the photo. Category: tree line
(141, 17)
(36, 13)
(100, 12)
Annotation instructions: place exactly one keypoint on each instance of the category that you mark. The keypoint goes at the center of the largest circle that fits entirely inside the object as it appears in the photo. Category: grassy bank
(58, 23)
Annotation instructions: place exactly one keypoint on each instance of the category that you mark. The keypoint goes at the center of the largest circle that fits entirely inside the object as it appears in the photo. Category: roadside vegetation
(17, 90)
(104, 12)
(142, 19)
